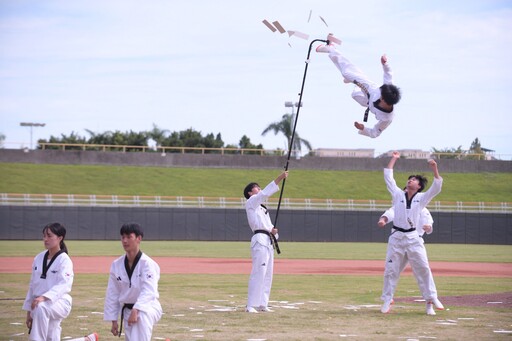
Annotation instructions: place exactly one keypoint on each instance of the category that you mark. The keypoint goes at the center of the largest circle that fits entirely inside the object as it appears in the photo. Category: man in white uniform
(405, 240)
(425, 226)
(380, 100)
(262, 243)
(132, 290)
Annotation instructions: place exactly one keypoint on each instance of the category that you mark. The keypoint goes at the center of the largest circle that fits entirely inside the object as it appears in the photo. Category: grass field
(291, 250)
(306, 307)
(215, 182)
(207, 307)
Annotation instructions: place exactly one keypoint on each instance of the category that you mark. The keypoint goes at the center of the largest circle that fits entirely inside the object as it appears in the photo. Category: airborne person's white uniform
(141, 290)
(56, 287)
(352, 73)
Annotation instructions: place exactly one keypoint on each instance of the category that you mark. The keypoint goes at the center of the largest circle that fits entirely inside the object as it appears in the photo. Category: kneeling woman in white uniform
(48, 301)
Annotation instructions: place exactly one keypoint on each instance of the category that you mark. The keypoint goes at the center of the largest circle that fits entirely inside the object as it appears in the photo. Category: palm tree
(476, 147)
(157, 134)
(285, 126)
(99, 138)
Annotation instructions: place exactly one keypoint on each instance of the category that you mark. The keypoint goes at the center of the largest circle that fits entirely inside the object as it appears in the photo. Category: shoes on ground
(437, 304)
(251, 310)
(430, 308)
(264, 309)
(386, 307)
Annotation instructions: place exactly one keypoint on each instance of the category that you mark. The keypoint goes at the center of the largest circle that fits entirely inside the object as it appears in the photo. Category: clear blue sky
(214, 67)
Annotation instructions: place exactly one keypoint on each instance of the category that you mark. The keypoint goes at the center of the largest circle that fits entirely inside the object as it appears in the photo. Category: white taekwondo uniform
(262, 251)
(141, 291)
(48, 315)
(425, 219)
(352, 73)
(407, 244)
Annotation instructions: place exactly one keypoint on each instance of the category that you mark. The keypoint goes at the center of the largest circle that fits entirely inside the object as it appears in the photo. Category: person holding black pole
(263, 243)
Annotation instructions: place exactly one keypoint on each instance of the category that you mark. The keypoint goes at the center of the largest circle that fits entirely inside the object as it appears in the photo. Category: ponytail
(63, 246)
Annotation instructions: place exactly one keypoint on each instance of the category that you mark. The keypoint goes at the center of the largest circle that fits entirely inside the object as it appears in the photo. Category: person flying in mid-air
(380, 100)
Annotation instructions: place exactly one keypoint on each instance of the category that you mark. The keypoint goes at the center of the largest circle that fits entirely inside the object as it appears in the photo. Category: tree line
(475, 152)
(188, 138)
(191, 138)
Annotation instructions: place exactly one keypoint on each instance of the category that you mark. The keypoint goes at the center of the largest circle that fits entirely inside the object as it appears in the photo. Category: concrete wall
(103, 223)
(98, 223)
(153, 159)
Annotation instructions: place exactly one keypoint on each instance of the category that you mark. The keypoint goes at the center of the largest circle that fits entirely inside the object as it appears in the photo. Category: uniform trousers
(431, 285)
(260, 280)
(350, 74)
(402, 249)
(46, 319)
(143, 329)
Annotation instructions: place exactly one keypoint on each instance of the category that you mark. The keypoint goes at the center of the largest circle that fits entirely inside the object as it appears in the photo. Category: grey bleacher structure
(230, 224)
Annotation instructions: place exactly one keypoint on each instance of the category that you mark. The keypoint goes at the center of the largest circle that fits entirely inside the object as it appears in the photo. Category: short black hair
(249, 188)
(130, 228)
(423, 181)
(390, 94)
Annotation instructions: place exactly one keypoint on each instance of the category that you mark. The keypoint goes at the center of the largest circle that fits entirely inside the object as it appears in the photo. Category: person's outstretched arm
(281, 176)
(433, 165)
(388, 74)
(374, 132)
(437, 184)
(392, 161)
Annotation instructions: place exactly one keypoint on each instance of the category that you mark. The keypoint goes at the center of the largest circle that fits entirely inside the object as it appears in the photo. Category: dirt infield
(177, 265)
(499, 300)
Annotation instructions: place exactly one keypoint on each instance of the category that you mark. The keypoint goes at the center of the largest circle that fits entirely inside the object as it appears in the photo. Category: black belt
(365, 117)
(403, 230)
(273, 239)
(126, 305)
(365, 91)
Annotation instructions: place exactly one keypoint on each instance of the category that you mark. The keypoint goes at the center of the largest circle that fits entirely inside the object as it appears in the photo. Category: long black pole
(295, 124)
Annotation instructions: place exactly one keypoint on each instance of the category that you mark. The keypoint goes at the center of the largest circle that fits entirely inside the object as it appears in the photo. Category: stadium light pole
(293, 105)
(31, 125)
